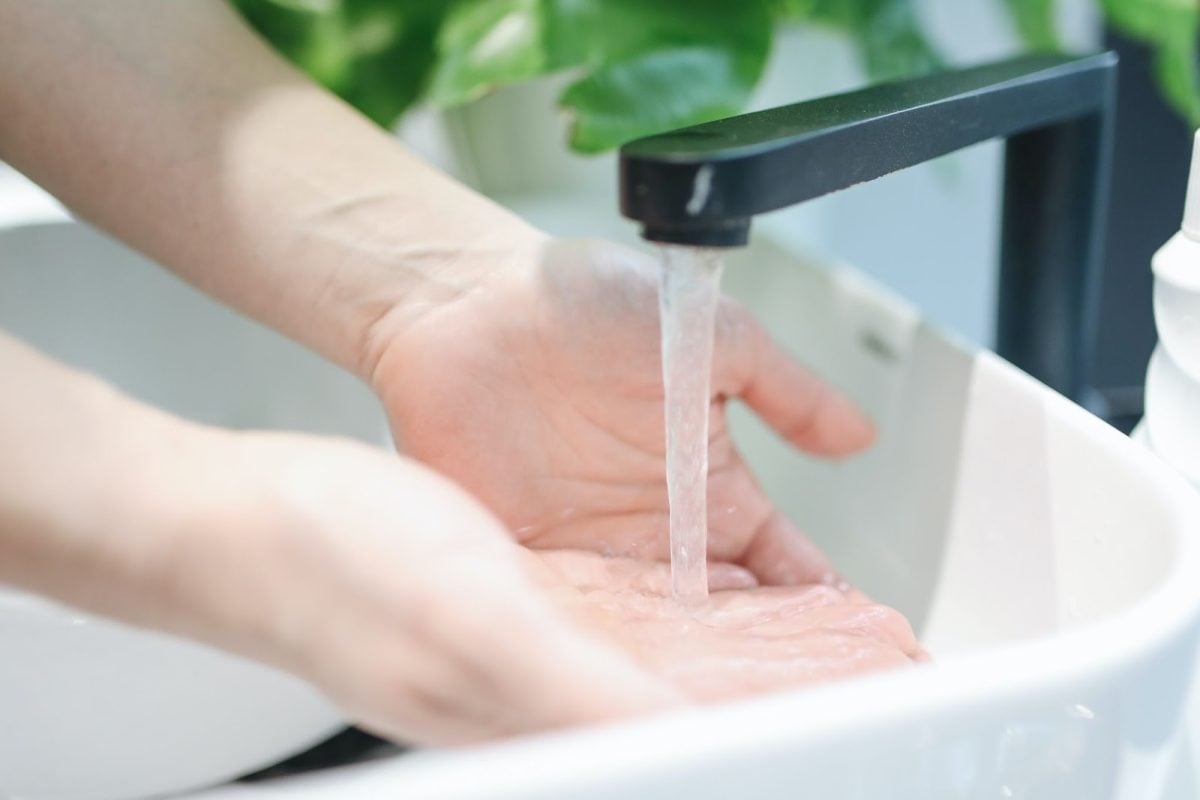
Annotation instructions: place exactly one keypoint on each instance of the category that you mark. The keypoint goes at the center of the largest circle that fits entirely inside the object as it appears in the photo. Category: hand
(372, 576)
(540, 391)
(748, 640)
(403, 599)
(389, 588)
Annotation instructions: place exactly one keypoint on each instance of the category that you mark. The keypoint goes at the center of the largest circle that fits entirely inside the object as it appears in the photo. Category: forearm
(120, 509)
(83, 512)
(172, 126)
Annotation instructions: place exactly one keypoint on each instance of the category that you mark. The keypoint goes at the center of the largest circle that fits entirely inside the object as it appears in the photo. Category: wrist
(157, 482)
(86, 506)
(211, 542)
(448, 278)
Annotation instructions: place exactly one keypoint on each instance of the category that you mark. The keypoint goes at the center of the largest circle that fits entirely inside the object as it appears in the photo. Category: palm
(747, 640)
(542, 394)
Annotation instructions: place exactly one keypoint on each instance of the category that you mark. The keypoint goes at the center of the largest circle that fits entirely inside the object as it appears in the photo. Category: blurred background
(525, 99)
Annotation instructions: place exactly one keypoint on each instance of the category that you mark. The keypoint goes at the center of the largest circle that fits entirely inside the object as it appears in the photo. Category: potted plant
(634, 67)
(598, 72)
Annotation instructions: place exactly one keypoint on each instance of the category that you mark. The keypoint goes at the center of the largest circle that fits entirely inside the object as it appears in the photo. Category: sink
(1049, 564)
(93, 710)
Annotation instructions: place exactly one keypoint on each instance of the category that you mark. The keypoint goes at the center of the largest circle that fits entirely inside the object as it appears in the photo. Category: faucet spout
(702, 185)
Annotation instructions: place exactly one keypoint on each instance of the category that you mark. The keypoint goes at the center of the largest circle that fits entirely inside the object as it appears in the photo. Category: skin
(504, 575)
(573, 393)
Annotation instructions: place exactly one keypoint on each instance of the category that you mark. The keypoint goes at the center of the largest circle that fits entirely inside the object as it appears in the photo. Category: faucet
(702, 185)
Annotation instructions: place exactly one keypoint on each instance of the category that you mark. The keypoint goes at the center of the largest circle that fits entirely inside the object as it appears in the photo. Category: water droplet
(1080, 711)
(1005, 791)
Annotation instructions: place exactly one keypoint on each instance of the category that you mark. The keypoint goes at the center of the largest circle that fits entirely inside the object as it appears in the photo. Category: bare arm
(535, 384)
(173, 126)
(83, 511)
(373, 577)
(304, 552)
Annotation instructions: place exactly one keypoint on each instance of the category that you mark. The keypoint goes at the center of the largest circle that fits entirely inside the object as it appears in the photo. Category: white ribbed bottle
(1171, 425)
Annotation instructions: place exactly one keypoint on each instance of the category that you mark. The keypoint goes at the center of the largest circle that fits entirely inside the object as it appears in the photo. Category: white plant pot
(512, 145)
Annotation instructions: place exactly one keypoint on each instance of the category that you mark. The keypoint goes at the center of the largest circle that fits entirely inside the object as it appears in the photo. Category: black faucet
(702, 185)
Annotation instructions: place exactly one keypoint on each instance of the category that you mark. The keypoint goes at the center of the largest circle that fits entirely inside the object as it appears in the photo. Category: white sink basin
(1050, 564)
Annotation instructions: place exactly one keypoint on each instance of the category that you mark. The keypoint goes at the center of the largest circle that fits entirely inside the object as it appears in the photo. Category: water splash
(687, 305)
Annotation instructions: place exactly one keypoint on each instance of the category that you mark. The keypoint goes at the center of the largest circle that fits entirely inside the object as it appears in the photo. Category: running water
(687, 304)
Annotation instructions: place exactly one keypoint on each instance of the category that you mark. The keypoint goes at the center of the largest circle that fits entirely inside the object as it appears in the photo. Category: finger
(781, 555)
(778, 553)
(872, 621)
(777, 611)
(803, 409)
(512, 661)
(617, 687)
(744, 610)
(655, 578)
(754, 665)
(723, 577)
(586, 570)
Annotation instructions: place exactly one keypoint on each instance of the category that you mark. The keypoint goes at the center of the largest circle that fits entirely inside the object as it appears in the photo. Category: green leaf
(656, 92)
(643, 67)
(652, 67)
(596, 32)
(307, 6)
(1176, 70)
(392, 42)
(489, 43)
(893, 45)
(1034, 20)
(1152, 20)
(376, 54)
(888, 33)
(1172, 28)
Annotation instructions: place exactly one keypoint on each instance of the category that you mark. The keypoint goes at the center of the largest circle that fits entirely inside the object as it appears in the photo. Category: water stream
(687, 304)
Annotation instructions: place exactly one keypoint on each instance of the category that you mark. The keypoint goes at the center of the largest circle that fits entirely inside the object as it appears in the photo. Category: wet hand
(540, 391)
(406, 601)
(746, 640)
(389, 588)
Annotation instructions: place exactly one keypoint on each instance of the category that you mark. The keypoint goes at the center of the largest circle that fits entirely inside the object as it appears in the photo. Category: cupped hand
(746, 640)
(389, 588)
(407, 602)
(540, 391)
